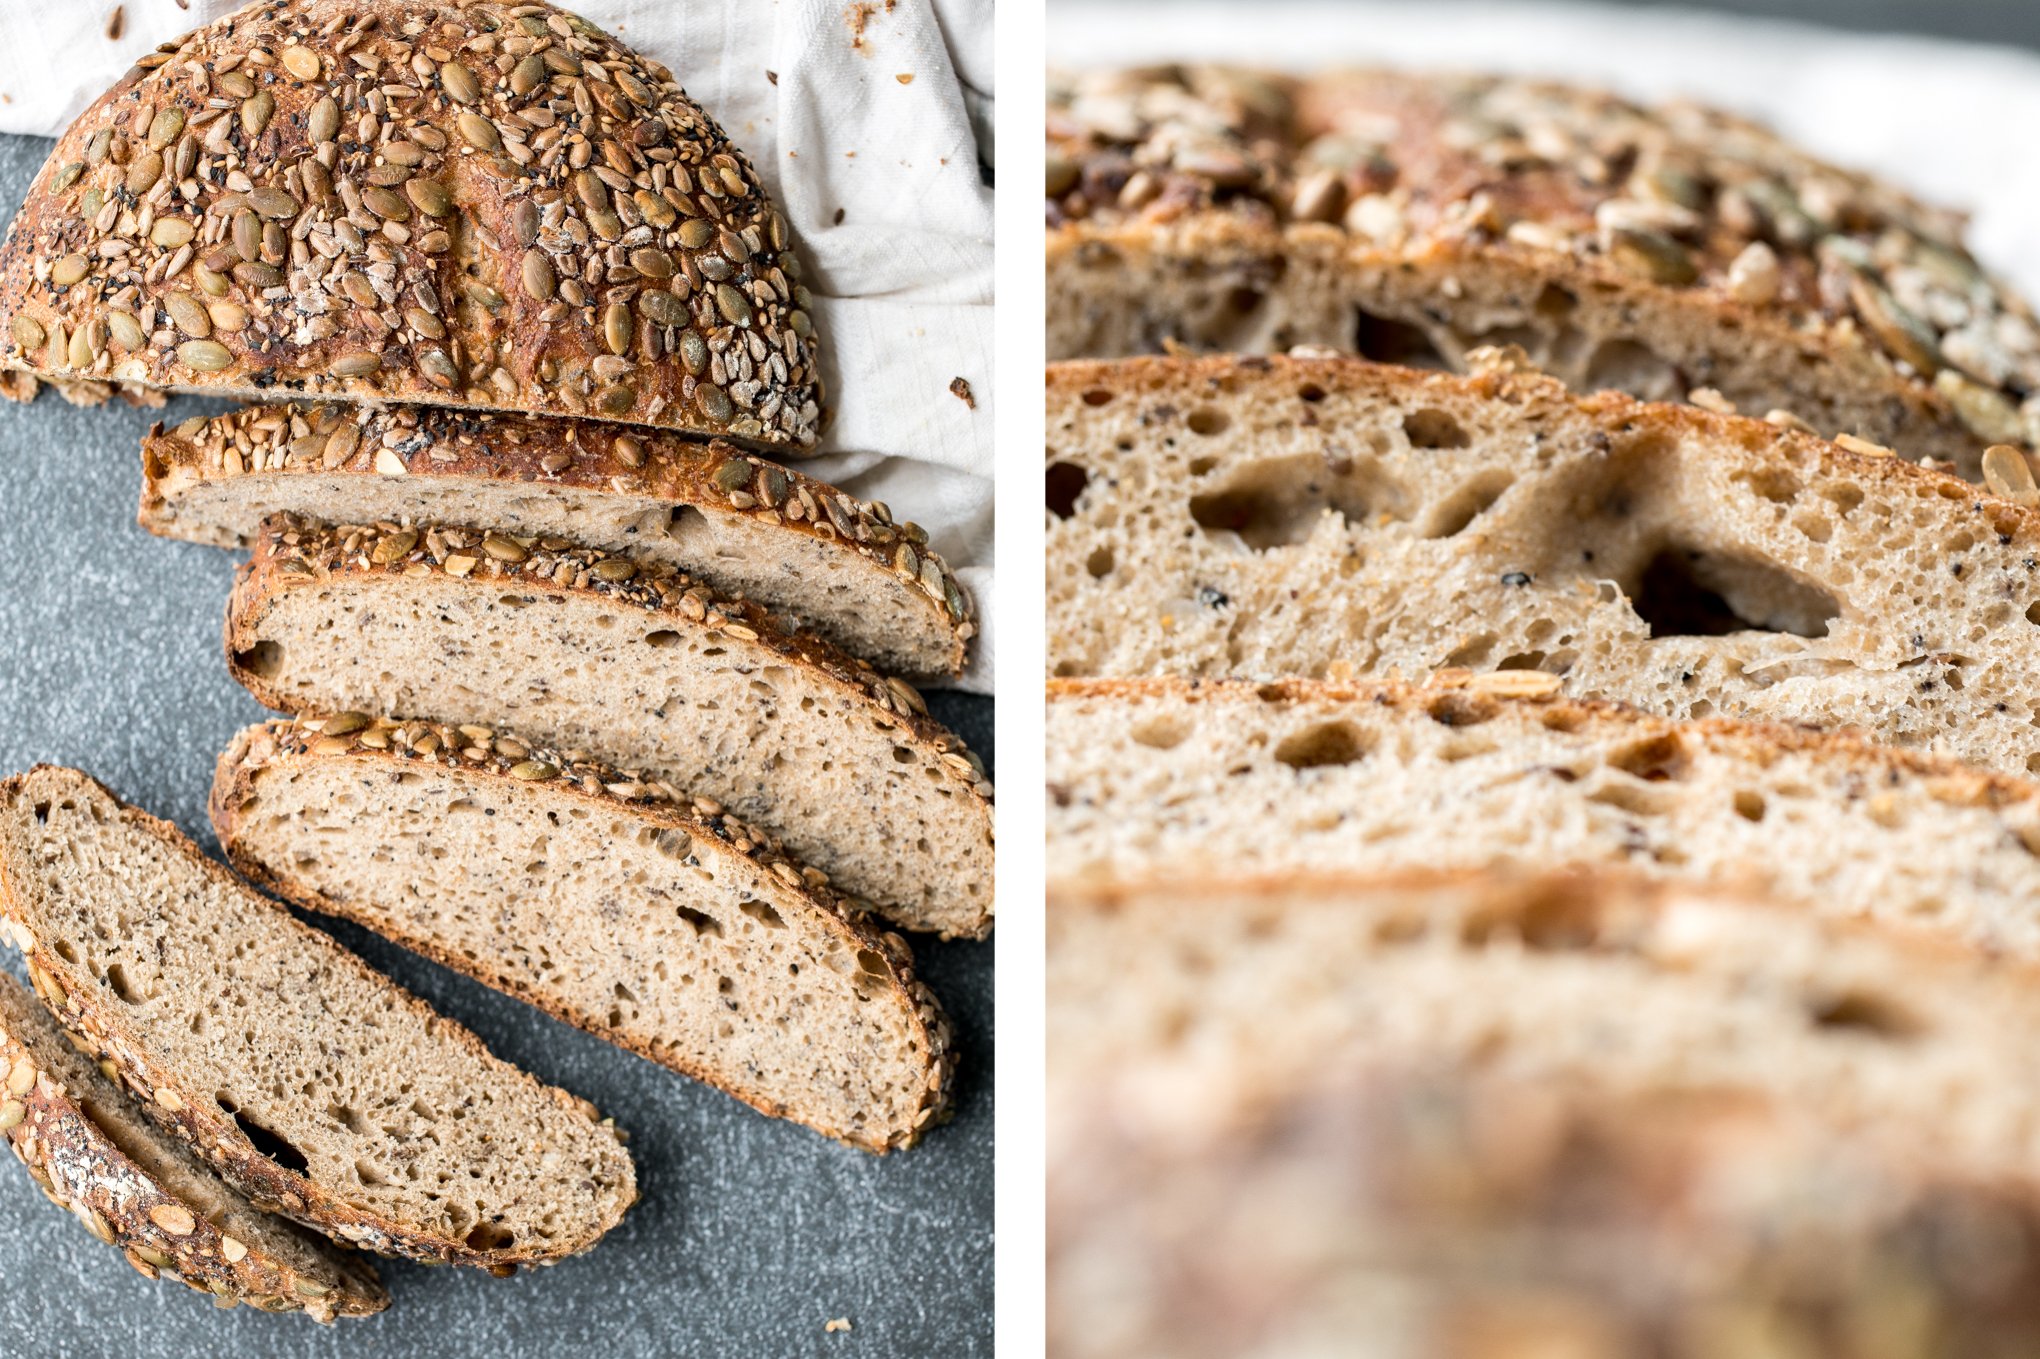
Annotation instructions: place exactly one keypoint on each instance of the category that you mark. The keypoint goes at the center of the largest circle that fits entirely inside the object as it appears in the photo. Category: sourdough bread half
(311, 1083)
(139, 1190)
(664, 925)
(377, 200)
(1170, 778)
(1271, 517)
(1453, 1115)
(747, 527)
(629, 663)
(1413, 218)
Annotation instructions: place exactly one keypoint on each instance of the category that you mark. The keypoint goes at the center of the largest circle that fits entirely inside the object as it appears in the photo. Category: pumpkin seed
(714, 402)
(358, 364)
(1654, 255)
(206, 356)
(479, 132)
(616, 400)
(126, 330)
(694, 353)
(528, 74)
(695, 232)
(273, 203)
(86, 342)
(387, 205)
(247, 234)
(68, 176)
(430, 195)
(28, 333)
(662, 308)
(439, 367)
(733, 476)
(255, 275)
(68, 270)
(171, 232)
(652, 262)
(188, 315)
(524, 221)
(539, 280)
(460, 83)
(734, 306)
(231, 317)
(534, 771)
(615, 569)
(394, 548)
(425, 323)
(1902, 334)
(629, 451)
(256, 111)
(654, 209)
(504, 549)
(616, 328)
(324, 121)
(482, 295)
(143, 172)
(166, 127)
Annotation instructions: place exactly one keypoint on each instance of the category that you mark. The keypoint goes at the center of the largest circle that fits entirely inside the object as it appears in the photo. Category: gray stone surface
(751, 1233)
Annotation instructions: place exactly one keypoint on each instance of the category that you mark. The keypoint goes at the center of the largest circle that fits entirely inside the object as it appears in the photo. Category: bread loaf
(843, 566)
(629, 663)
(1270, 517)
(311, 1083)
(481, 205)
(1172, 778)
(139, 1190)
(1462, 1117)
(1413, 218)
(666, 926)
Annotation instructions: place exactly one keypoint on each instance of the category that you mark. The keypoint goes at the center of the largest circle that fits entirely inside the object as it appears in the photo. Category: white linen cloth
(1950, 121)
(858, 117)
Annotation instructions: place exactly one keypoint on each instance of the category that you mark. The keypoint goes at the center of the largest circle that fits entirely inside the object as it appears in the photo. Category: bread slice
(664, 925)
(1458, 1115)
(1269, 517)
(311, 1083)
(371, 200)
(1174, 778)
(632, 664)
(1414, 218)
(793, 544)
(137, 1189)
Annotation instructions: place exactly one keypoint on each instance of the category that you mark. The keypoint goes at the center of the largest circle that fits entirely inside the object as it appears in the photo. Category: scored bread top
(551, 1176)
(478, 752)
(482, 205)
(1679, 205)
(136, 1189)
(1272, 516)
(214, 480)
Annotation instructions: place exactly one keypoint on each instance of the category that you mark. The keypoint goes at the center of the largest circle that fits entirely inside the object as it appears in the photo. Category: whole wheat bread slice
(746, 526)
(138, 1189)
(311, 1083)
(633, 664)
(1476, 1117)
(1176, 778)
(666, 926)
(1318, 517)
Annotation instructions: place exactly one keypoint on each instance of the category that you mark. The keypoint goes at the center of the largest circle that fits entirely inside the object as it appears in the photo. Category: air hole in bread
(1627, 366)
(1097, 396)
(1328, 743)
(267, 1143)
(1164, 733)
(2033, 612)
(1208, 420)
(42, 813)
(1310, 392)
(1659, 759)
(1749, 805)
(1459, 709)
(66, 952)
(1687, 592)
(1452, 514)
(1863, 1012)
(1555, 303)
(702, 921)
(117, 982)
(1779, 485)
(684, 522)
(664, 637)
(1429, 428)
(1099, 564)
(1627, 797)
(491, 1236)
(1388, 340)
(1066, 483)
(1281, 501)
(264, 659)
(763, 913)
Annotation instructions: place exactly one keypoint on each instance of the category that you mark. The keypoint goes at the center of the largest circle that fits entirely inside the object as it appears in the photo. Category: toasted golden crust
(484, 205)
(83, 1170)
(1708, 229)
(352, 736)
(195, 1117)
(267, 445)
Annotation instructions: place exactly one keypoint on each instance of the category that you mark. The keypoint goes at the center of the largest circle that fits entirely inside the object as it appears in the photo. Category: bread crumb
(838, 1324)
(116, 22)
(960, 389)
(772, 77)
(905, 77)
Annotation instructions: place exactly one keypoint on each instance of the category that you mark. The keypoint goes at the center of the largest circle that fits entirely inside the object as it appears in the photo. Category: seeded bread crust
(274, 458)
(1657, 250)
(295, 554)
(383, 743)
(82, 1170)
(1417, 520)
(195, 1118)
(375, 200)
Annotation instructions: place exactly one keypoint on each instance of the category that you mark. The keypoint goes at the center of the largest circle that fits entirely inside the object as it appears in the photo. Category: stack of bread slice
(590, 697)
(1567, 806)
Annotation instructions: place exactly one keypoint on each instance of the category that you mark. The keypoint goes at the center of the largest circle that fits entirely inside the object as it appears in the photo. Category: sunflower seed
(254, 275)
(652, 262)
(206, 356)
(389, 463)
(12, 1111)
(358, 364)
(188, 315)
(228, 316)
(430, 195)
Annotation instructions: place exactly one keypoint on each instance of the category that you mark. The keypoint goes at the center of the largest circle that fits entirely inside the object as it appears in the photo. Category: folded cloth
(860, 119)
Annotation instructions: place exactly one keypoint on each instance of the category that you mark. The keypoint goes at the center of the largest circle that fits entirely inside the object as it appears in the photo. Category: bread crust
(296, 555)
(271, 443)
(81, 1169)
(1716, 234)
(195, 1118)
(280, 745)
(427, 236)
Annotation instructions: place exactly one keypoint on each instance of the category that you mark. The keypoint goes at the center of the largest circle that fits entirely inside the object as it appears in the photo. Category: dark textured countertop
(751, 1235)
